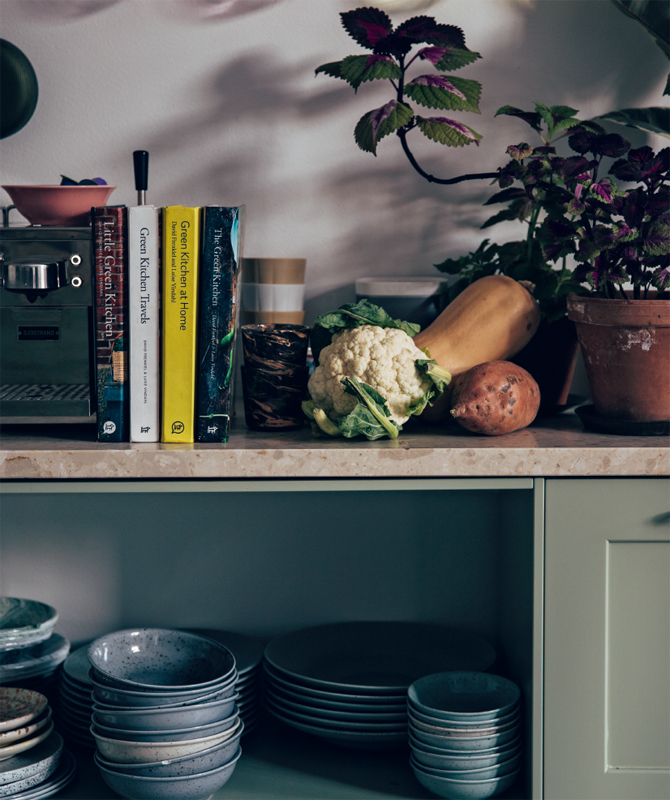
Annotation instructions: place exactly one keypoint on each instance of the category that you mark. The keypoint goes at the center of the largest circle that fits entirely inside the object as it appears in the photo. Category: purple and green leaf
(447, 131)
(367, 26)
(373, 126)
(438, 91)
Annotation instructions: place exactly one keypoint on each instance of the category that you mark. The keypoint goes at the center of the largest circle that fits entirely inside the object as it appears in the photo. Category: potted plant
(618, 237)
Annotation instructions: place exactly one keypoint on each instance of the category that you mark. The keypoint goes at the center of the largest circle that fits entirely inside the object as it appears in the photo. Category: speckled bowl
(160, 659)
(463, 789)
(462, 759)
(183, 787)
(166, 735)
(127, 698)
(462, 733)
(471, 743)
(164, 719)
(206, 760)
(456, 725)
(464, 696)
(471, 774)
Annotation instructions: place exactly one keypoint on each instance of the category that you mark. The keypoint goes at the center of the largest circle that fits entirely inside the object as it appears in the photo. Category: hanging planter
(626, 348)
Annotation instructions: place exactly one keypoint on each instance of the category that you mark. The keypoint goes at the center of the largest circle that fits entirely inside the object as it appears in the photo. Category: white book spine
(144, 310)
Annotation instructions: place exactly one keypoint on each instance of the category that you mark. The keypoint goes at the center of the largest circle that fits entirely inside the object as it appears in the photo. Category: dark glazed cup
(275, 346)
(273, 402)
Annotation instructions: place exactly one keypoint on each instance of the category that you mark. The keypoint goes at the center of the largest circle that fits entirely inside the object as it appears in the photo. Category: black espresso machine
(46, 324)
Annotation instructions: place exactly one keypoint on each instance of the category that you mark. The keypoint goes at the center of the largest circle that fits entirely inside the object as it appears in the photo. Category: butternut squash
(491, 320)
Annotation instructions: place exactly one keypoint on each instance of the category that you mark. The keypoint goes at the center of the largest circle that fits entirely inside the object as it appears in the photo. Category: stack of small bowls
(165, 718)
(464, 733)
(33, 764)
(30, 652)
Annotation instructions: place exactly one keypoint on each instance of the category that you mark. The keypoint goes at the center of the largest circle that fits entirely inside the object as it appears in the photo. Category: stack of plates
(30, 653)
(33, 764)
(165, 699)
(248, 653)
(39, 772)
(347, 682)
(464, 733)
(75, 704)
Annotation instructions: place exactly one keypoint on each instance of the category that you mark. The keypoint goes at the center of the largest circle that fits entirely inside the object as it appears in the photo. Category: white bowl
(130, 752)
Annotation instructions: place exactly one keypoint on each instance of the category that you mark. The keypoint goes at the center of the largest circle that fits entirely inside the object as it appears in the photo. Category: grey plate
(375, 657)
(248, 650)
(397, 726)
(76, 666)
(351, 715)
(60, 778)
(32, 761)
(358, 740)
(284, 681)
(295, 695)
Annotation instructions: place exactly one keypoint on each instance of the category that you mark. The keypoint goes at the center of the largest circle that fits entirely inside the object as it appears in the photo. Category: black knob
(141, 164)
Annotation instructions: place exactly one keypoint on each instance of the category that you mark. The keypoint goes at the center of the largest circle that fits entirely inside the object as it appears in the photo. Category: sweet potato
(494, 398)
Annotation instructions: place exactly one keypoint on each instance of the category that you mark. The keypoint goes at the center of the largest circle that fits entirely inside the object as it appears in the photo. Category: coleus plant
(616, 235)
(440, 46)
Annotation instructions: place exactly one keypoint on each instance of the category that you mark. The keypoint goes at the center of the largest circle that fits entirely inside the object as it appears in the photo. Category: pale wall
(231, 112)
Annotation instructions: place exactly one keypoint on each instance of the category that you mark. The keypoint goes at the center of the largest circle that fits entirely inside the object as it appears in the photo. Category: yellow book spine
(181, 248)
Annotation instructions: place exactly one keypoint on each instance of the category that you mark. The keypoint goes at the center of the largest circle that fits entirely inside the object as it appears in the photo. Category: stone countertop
(552, 446)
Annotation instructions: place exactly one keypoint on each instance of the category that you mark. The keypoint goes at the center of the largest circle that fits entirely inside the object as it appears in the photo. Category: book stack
(166, 289)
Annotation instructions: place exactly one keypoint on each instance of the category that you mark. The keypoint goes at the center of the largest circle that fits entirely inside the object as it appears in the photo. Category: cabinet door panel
(607, 640)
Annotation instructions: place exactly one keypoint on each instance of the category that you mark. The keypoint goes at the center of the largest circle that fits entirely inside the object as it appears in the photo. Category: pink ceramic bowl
(58, 205)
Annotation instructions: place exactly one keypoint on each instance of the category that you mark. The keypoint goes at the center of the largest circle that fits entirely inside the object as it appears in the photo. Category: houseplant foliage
(392, 53)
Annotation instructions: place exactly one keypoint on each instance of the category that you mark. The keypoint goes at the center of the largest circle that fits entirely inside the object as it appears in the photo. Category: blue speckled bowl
(464, 696)
(113, 696)
(184, 787)
(463, 789)
(168, 735)
(203, 761)
(161, 719)
(160, 659)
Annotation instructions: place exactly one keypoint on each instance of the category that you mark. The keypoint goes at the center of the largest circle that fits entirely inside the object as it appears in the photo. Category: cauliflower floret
(381, 357)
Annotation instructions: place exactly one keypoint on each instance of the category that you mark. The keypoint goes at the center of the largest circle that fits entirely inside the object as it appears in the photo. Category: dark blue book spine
(219, 268)
(110, 255)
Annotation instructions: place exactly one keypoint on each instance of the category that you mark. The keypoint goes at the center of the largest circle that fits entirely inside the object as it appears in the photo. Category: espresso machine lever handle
(141, 165)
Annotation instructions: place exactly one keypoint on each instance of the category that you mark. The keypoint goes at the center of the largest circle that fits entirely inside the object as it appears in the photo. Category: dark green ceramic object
(18, 98)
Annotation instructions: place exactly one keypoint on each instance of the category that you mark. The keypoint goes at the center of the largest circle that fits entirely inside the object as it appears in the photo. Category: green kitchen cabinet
(607, 639)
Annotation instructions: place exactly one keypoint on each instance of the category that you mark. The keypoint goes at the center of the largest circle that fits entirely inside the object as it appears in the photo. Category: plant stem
(402, 134)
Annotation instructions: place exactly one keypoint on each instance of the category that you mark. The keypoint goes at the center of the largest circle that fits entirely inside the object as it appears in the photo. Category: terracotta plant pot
(550, 357)
(626, 350)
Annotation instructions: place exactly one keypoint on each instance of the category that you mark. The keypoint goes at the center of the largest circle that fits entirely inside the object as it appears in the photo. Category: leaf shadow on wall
(60, 10)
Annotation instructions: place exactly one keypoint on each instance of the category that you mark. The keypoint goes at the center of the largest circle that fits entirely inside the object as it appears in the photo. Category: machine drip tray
(45, 400)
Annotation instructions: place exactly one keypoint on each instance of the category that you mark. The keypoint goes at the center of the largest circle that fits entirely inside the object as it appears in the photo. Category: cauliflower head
(384, 358)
